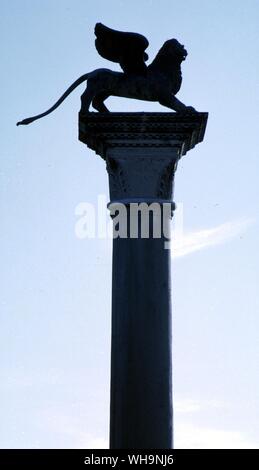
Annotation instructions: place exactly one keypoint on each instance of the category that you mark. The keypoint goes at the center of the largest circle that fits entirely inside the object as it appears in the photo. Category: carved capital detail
(117, 178)
(141, 173)
(141, 149)
(165, 187)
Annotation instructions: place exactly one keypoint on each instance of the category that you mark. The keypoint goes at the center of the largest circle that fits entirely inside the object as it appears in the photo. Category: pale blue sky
(55, 302)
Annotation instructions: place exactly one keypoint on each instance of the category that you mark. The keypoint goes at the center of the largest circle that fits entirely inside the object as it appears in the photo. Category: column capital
(141, 149)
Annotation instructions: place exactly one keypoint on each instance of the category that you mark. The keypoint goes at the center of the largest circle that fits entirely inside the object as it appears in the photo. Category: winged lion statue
(159, 81)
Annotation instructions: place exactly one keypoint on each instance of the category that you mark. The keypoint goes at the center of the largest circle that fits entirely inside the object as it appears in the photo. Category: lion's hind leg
(98, 103)
(86, 98)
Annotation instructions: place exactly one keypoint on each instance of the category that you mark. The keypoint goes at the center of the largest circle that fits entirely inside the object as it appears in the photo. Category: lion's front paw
(190, 109)
(187, 110)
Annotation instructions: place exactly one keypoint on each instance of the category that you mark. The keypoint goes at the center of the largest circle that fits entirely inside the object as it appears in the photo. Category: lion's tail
(78, 82)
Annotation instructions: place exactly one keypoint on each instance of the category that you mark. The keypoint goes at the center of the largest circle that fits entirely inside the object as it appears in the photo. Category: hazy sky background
(56, 289)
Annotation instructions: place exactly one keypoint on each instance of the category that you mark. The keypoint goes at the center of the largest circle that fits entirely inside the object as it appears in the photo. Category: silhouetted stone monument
(141, 151)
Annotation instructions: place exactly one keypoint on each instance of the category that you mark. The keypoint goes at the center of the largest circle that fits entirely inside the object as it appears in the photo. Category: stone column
(141, 152)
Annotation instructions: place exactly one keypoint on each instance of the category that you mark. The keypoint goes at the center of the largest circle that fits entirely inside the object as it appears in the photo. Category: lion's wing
(127, 49)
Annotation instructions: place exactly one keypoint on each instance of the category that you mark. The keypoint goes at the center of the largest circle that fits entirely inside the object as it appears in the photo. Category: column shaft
(141, 360)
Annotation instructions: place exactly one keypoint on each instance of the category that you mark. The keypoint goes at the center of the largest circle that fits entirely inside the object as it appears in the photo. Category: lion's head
(168, 62)
(173, 50)
(171, 54)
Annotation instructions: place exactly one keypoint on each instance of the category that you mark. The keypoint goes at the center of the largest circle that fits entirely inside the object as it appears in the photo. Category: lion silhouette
(160, 81)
